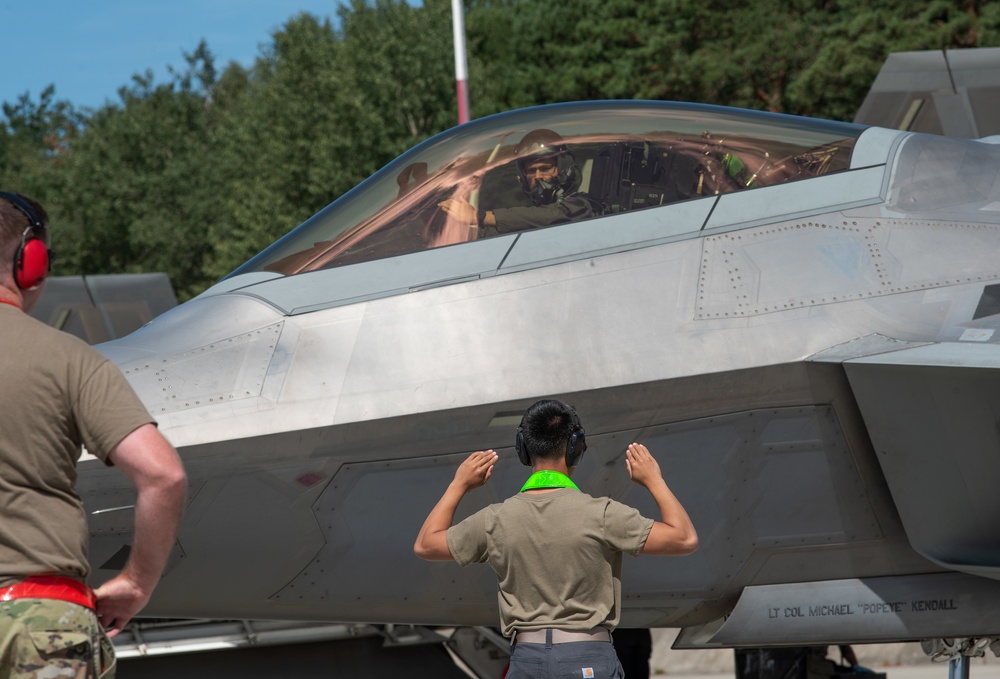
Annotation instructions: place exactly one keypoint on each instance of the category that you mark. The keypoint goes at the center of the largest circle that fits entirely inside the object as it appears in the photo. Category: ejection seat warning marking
(856, 608)
(976, 335)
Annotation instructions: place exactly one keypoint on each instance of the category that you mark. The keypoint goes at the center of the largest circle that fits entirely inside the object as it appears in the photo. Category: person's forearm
(682, 533)
(432, 540)
(672, 512)
(440, 518)
(156, 471)
(158, 510)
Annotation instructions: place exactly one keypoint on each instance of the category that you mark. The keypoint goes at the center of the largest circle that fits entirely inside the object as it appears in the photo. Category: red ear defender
(31, 262)
(33, 258)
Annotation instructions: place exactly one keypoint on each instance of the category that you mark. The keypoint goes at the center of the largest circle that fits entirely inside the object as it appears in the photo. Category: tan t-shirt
(58, 393)
(557, 556)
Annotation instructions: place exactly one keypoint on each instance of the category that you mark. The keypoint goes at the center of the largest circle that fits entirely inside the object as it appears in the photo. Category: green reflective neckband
(548, 479)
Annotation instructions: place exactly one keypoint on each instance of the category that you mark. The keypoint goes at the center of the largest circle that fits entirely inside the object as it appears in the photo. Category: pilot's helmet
(546, 144)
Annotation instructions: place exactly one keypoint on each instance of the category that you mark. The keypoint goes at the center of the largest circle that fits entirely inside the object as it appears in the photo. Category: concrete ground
(368, 658)
(934, 671)
(898, 661)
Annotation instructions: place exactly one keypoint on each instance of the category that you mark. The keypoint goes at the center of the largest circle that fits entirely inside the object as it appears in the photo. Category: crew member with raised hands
(556, 550)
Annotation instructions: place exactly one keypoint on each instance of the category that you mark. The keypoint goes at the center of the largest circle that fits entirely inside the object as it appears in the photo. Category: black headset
(576, 446)
(33, 259)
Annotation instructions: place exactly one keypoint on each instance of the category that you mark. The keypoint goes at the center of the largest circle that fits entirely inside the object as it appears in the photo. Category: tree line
(194, 175)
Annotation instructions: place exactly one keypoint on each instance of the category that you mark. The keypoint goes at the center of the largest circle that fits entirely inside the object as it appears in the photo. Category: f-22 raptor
(798, 317)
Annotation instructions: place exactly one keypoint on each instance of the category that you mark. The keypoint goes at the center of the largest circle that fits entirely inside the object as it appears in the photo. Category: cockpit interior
(625, 156)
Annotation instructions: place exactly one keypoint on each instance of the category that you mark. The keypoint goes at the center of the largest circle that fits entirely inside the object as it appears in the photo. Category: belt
(56, 587)
(560, 636)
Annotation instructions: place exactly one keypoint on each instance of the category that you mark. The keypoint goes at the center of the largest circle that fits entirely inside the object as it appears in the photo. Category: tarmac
(932, 671)
(897, 661)
(368, 657)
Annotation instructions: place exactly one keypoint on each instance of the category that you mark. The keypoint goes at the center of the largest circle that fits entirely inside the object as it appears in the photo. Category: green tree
(142, 184)
(808, 57)
(530, 52)
(271, 142)
(35, 143)
(325, 109)
(195, 175)
(835, 81)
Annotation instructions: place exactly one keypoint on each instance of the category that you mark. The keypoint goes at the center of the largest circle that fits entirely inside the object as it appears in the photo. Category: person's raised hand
(476, 469)
(459, 209)
(642, 466)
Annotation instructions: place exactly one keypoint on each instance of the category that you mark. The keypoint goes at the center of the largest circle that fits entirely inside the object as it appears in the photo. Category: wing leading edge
(932, 412)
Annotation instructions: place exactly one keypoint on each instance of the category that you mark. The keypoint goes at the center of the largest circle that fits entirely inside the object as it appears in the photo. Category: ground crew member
(557, 551)
(60, 393)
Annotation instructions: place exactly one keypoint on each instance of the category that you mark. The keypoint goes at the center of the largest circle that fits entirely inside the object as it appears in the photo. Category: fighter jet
(798, 317)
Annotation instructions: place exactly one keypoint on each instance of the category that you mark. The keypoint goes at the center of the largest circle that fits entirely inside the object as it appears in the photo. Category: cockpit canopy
(629, 156)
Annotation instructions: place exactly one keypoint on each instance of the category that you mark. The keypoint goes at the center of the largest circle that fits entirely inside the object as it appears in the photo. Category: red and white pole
(461, 70)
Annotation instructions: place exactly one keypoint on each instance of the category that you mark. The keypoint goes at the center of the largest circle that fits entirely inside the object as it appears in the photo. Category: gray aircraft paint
(746, 338)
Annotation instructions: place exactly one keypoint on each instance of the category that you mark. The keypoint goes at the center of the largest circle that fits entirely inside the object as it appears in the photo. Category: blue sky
(90, 48)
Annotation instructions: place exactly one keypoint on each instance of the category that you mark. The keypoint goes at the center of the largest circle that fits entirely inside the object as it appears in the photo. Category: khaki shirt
(59, 393)
(557, 556)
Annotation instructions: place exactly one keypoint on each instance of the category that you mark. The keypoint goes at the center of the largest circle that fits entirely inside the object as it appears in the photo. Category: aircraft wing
(952, 92)
(932, 411)
(104, 307)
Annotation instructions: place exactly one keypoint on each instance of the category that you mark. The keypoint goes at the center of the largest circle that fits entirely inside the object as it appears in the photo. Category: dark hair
(546, 428)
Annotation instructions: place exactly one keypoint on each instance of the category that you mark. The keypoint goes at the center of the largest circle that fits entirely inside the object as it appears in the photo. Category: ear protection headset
(575, 446)
(33, 258)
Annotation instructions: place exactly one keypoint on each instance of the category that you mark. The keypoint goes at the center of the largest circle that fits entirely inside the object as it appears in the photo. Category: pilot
(61, 393)
(548, 174)
(557, 552)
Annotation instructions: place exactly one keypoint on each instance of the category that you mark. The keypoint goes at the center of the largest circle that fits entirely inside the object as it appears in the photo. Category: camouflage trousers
(51, 639)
